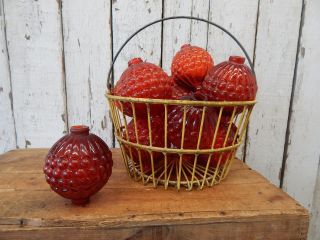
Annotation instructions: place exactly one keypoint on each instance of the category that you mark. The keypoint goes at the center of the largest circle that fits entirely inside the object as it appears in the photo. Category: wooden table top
(26, 199)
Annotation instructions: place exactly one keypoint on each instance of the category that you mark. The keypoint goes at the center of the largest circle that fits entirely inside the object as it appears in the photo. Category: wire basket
(179, 167)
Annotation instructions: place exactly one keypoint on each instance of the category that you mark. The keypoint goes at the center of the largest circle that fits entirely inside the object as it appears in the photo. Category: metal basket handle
(110, 73)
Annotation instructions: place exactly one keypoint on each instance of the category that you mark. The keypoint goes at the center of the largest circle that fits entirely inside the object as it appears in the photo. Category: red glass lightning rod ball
(78, 165)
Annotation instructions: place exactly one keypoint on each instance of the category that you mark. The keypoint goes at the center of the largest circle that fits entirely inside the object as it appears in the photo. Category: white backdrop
(55, 55)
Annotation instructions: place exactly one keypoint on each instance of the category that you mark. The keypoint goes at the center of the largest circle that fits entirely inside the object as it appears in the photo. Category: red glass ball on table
(78, 165)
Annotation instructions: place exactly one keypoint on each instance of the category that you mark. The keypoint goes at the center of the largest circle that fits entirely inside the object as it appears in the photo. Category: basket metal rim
(181, 102)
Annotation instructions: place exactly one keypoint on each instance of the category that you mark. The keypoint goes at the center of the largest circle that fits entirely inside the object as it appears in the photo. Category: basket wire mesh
(178, 171)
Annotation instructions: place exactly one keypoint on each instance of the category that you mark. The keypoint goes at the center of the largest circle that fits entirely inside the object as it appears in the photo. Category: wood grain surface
(7, 128)
(245, 203)
(176, 32)
(88, 55)
(303, 153)
(314, 232)
(276, 47)
(34, 41)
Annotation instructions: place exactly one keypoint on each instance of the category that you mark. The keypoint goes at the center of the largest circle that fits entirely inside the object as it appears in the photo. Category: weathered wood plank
(314, 231)
(175, 32)
(159, 206)
(35, 49)
(199, 30)
(139, 233)
(180, 31)
(35, 181)
(87, 48)
(147, 44)
(30, 175)
(7, 128)
(282, 229)
(303, 152)
(242, 26)
(234, 198)
(276, 44)
(124, 209)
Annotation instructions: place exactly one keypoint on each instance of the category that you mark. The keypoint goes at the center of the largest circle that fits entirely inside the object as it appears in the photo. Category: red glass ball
(230, 81)
(78, 165)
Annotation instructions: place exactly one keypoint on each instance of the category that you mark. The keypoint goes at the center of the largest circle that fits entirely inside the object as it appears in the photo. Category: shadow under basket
(180, 167)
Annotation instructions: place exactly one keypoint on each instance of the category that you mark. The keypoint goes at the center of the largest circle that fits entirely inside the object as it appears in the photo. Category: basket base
(179, 173)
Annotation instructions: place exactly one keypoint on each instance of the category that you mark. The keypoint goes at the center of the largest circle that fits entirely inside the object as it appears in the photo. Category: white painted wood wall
(55, 54)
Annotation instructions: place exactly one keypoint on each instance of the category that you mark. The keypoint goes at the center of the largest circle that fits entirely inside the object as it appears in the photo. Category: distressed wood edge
(314, 230)
(272, 167)
(287, 228)
(304, 227)
(158, 220)
(64, 90)
(283, 172)
(245, 141)
(7, 53)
